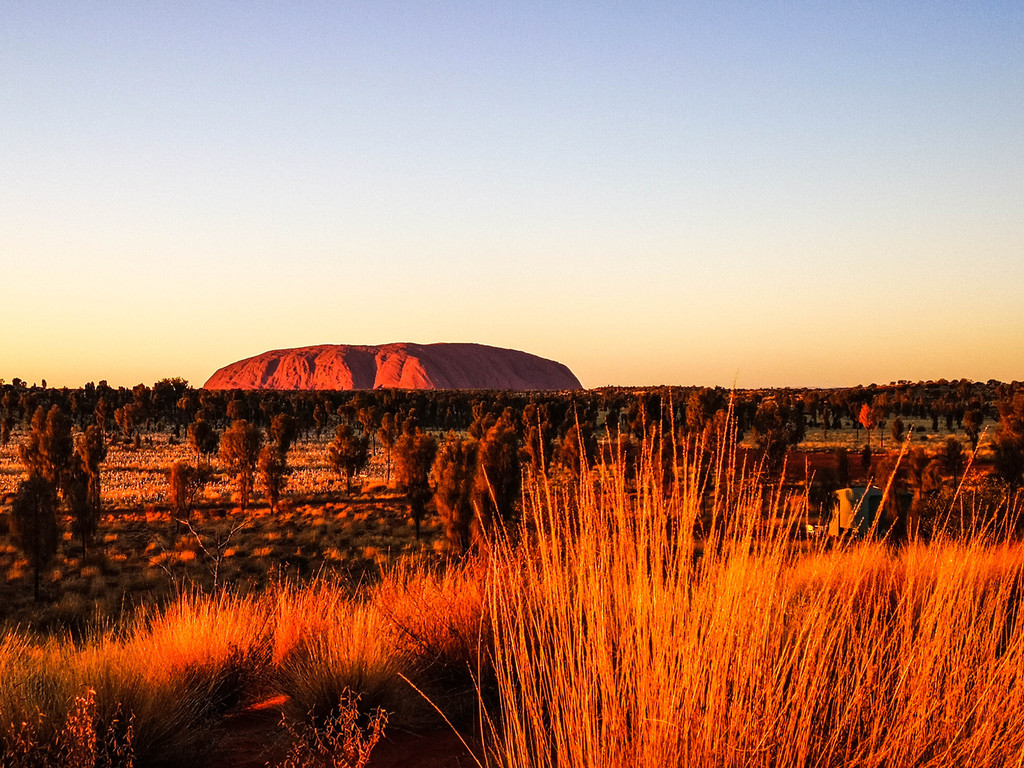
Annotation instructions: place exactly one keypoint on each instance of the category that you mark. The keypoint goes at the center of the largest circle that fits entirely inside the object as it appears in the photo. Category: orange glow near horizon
(791, 196)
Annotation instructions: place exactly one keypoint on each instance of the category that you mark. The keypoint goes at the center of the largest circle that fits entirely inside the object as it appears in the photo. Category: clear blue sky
(753, 194)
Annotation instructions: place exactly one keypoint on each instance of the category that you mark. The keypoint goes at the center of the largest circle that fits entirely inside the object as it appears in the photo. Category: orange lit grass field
(135, 477)
(609, 632)
(142, 555)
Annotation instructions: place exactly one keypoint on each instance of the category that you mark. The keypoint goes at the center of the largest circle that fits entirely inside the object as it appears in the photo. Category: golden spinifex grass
(154, 687)
(419, 622)
(623, 638)
(661, 616)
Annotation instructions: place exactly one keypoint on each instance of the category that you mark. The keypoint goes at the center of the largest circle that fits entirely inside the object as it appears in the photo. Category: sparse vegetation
(660, 608)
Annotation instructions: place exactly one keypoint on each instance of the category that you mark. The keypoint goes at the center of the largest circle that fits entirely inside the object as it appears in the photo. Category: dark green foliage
(822, 492)
(414, 456)
(701, 405)
(478, 480)
(387, 434)
(577, 449)
(203, 438)
(283, 431)
(102, 414)
(84, 516)
(348, 453)
(34, 522)
(537, 446)
(368, 416)
(897, 429)
(924, 479)
(319, 419)
(497, 479)
(186, 486)
(544, 422)
(1008, 456)
(623, 450)
(127, 418)
(50, 454)
(239, 450)
(452, 474)
(778, 427)
(273, 472)
(91, 450)
(952, 459)
(186, 406)
(972, 422)
(141, 407)
(843, 467)
(165, 396)
(1008, 444)
(238, 410)
(483, 420)
(49, 448)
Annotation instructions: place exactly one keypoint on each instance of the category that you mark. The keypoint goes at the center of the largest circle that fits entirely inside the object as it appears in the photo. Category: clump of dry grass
(157, 684)
(419, 623)
(160, 681)
(438, 621)
(329, 642)
(82, 742)
(137, 719)
(621, 638)
(225, 638)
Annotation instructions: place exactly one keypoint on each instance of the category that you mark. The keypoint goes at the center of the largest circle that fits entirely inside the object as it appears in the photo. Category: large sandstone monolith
(401, 365)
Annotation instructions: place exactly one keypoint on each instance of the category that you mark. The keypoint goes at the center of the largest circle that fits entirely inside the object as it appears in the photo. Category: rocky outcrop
(400, 366)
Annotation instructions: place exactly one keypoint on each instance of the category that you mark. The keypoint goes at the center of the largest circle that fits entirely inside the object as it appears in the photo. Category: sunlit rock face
(400, 366)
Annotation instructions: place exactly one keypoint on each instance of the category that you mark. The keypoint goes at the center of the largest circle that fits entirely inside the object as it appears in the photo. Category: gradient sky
(802, 194)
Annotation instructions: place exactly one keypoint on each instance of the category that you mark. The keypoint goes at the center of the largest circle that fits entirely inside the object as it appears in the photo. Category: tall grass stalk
(633, 629)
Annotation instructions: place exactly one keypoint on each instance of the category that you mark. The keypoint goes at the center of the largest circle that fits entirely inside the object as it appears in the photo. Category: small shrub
(343, 740)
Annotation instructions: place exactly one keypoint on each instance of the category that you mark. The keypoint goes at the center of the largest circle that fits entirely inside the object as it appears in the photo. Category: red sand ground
(251, 741)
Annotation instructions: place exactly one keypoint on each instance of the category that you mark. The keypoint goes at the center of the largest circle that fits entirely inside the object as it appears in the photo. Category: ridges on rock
(401, 366)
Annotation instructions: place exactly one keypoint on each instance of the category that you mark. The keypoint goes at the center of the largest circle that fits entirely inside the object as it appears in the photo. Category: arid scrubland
(143, 554)
(656, 607)
(626, 636)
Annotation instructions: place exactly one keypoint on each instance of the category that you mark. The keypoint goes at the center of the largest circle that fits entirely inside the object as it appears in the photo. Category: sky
(717, 194)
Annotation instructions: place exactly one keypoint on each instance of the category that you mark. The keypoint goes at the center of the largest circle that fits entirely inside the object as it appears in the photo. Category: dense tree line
(465, 452)
(171, 404)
